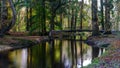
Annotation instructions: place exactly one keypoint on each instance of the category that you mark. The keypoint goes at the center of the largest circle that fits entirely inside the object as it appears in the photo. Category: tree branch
(61, 4)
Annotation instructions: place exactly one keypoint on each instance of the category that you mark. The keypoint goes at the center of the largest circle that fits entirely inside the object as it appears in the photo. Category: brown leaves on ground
(32, 38)
(10, 40)
(7, 41)
(13, 42)
(17, 33)
(112, 57)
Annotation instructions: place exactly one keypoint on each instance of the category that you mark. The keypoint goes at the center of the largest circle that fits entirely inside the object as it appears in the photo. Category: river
(51, 54)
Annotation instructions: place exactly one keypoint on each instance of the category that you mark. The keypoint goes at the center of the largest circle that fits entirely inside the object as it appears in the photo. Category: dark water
(54, 54)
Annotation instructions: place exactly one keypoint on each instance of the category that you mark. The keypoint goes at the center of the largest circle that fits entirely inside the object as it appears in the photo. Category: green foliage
(41, 13)
(41, 8)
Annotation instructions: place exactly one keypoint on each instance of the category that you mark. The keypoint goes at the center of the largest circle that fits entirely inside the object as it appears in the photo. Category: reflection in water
(24, 58)
(54, 54)
(4, 60)
(19, 58)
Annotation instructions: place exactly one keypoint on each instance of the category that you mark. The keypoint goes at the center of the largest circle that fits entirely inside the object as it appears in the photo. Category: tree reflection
(4, 60)
(52, 54)
(95, 52)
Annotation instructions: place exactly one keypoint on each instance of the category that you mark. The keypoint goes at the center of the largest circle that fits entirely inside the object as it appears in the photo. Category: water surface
(52, 54)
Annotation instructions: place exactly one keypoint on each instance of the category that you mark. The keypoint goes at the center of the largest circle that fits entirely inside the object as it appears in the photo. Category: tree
(102, 15)
(44, 18)
(95, 27)
(107, 17)
(7, 25)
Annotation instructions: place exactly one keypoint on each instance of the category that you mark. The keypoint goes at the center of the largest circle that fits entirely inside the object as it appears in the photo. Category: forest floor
(12, 42)
(111, 57)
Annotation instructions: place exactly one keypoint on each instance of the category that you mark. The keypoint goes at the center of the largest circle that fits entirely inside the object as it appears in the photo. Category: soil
(15, 42)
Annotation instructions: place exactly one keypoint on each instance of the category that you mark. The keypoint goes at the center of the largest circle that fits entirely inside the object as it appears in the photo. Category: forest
(52, 26)
(45, 16)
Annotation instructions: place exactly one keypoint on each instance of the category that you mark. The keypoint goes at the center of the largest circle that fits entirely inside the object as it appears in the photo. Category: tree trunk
(7, 27)
(107, 17)
(72, 19)
(81, 11)
(94, 18)
(27, 17)
(52, 21)
(102, 15)
(44, 18)
(4, 13)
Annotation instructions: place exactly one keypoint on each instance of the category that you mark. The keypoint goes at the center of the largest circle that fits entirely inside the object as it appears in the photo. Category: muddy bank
(12, 42)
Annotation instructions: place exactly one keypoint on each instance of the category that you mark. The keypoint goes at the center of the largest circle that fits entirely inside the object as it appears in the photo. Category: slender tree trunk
(94, 18)
(27, 17)
(102, 15)
(107, 18)
(117, 22)
(0, 12)
(44, 19)
(61, 19)
(52, 21)
(30, 22)
(69, 23)
(72, 19)
(81, 11)
(53, 14)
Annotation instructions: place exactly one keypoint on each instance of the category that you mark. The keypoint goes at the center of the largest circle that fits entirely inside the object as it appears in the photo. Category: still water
(53, 54)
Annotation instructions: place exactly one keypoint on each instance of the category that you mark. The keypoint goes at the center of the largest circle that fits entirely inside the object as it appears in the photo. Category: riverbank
(16, 42)
(111, 57)
(101, 41)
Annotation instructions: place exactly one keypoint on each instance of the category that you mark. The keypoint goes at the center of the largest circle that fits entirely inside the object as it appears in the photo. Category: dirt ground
(15, 42)
(111, 57)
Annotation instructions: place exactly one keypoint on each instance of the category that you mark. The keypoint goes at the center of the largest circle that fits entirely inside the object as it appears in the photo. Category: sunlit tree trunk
(95, 27)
